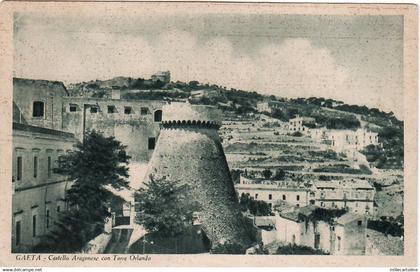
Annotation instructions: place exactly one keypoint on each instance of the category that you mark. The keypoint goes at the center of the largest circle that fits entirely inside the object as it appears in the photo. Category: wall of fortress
(134, 123)
(112, 117)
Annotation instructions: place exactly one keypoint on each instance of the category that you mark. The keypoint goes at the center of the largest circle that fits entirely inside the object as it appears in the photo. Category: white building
(356, 195)
(263, 107)
(38, 192)
(343, 236)
(269, 106)
(341, 140)
(274, 192)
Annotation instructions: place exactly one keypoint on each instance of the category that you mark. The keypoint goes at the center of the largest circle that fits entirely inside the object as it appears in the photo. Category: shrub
(298, 250)
(267, 173)
(228, 248)
(297, 134)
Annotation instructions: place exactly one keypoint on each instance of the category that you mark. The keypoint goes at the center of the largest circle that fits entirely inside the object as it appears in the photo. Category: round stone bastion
(189, 151)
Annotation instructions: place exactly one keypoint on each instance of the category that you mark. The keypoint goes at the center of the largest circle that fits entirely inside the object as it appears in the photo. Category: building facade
(47, 104)
(355, 195)
(38, 192)
(163, 76)
(300, 124)
(344, 140)
(274, 193)
(345, 235)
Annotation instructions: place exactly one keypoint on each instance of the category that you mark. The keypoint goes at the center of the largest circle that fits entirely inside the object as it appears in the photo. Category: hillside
(328, 113)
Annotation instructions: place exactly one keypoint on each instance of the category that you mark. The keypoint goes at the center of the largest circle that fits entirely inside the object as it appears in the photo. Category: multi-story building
(301, 124)
(269, 106)
(355, 195)
(342, 140)
(38, 191)
(274, 192)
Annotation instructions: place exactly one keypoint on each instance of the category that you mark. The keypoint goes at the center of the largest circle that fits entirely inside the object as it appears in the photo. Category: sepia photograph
(194, 131)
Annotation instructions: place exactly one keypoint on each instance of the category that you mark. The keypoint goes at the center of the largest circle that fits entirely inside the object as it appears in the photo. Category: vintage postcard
(208, 134)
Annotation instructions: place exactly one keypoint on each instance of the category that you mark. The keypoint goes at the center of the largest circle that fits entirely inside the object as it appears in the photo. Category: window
(144, 111)
(49, 166)
(298, 197)
(35, 166)
(94, 110)
(58, 208)
(60, 161)
(256, 196)
(33, 225)
(38, 109)
(322, 204)
(18, 233)
(284, 197)
(128, 110)
(359, 223)
(19, 168)
(270, 196)
(152, 142)
(111, 109)
(158, 116)
(47, 216)
(72, 108)
(338, 243)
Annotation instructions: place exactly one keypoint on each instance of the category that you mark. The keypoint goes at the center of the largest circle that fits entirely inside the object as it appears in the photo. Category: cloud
(293, 67)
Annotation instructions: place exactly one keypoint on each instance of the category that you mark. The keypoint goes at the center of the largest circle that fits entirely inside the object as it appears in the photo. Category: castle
(47, 122)
(189, 151)
(48, 104)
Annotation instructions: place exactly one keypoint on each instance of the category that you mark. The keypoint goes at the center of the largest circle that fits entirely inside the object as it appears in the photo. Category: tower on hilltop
(189, 151)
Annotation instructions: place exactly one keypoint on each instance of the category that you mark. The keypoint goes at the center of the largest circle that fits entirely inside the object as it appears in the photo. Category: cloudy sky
(357, 59)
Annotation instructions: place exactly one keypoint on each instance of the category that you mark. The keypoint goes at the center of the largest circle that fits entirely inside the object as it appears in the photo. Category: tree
(267, 173)
(255, 207)
(166, 205)
(280, 174)
(95, 163)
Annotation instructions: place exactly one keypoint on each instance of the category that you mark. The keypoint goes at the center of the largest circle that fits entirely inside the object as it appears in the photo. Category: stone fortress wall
(189, 151)
(47, 104)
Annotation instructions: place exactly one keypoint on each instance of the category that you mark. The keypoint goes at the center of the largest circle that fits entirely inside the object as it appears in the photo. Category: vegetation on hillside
(328, 113)
(391, 226)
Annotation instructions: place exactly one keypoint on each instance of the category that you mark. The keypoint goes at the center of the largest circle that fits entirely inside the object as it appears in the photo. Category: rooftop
(28, 128)
(347, 218)
(344, 184)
